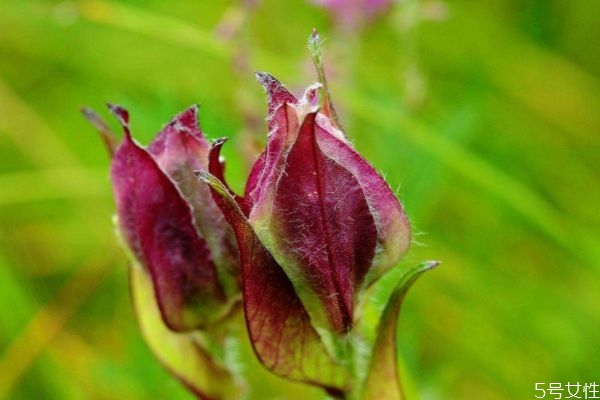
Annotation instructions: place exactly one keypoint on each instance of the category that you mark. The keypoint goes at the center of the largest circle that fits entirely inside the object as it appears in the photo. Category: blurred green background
(484, 115)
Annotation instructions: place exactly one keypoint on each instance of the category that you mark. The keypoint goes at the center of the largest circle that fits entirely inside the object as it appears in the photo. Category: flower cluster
(315, 228)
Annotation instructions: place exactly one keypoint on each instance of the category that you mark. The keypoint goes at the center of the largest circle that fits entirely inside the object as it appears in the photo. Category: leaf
(182, 354)
(382, 381)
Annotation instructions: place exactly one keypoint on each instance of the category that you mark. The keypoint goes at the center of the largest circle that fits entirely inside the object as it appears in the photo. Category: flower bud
(317, 225)
(326, 215)
(171, 224)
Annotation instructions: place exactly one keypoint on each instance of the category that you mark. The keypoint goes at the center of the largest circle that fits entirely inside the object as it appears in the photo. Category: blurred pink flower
(352, 12)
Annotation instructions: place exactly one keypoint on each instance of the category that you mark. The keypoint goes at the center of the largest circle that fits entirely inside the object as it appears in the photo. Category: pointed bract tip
(88, 112)
(190, 111)
(212, 181)
(121, 113)
(218, 141)
(187, 121)
(276, 91)
(315, 46)
(93, 118)
(314, 37)
(420, 269)
(265, 78)
(122, 116)
(430, 264)
(108, 136)
(203, 176)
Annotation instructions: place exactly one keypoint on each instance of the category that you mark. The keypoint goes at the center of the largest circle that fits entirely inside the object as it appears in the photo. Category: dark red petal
(121, 114)
(179, 150)
(278, 123)
(181, 136)
(279, 326)
(157, 223)
(393, 227)
(277, 93)
(322, 222)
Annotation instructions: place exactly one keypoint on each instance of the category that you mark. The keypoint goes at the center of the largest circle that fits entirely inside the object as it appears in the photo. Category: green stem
(315, 46)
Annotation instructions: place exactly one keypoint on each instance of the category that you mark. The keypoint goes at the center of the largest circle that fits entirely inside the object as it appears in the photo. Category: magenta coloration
(327, 210)
(279, 326)
(350, 12)
(323, 221)
(161, 213)
(316, 226)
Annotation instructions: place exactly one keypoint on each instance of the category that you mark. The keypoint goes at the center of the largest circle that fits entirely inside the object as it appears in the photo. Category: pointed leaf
(382, 381)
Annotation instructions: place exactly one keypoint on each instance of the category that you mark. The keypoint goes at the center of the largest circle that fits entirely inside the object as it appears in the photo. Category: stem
(315, 46)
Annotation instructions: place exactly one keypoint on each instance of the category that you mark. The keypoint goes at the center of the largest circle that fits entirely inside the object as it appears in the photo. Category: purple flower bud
(171, 224)
(326, 215)
(317, 225)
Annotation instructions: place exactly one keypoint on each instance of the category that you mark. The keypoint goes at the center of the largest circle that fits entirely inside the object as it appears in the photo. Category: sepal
(382, 380)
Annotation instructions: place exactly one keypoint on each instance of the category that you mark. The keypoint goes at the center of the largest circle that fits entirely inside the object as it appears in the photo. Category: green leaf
(382, 380)
(182, 354)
